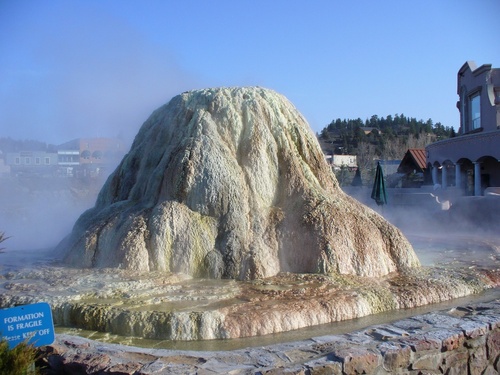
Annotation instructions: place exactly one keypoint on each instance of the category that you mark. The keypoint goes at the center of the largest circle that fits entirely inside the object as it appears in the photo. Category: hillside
(384, 138)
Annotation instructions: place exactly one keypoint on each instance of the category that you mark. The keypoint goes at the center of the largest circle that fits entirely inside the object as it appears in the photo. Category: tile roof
(419, 155)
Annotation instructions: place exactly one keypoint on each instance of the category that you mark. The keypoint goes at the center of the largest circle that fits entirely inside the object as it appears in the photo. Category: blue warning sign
(29, 323)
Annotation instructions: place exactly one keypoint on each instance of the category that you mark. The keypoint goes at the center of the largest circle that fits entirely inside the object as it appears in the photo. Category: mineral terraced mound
(231, 183)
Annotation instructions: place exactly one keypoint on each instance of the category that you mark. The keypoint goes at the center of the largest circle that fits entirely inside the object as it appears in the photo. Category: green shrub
(19, 360)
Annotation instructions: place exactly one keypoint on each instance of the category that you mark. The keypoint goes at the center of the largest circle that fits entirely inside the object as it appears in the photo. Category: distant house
(83, 157)
(367, 130)
(27, 162)
(414, 168)
(343, 161)
(413, 161)
(471, 161)
(87, 156)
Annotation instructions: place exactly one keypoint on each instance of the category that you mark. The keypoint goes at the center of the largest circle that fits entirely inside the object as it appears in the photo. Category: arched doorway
(489, 168)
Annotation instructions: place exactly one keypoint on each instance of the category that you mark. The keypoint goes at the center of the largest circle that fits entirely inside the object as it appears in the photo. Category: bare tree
(365, 159)
(394, 148)
(420, 142)
(2, 239)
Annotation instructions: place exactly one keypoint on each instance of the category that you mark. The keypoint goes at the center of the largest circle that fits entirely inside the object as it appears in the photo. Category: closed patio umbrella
(378, 192)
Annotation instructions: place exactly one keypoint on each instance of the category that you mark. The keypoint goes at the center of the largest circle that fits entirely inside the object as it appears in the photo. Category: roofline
(483, 68)
(475, 70)
(469, 64)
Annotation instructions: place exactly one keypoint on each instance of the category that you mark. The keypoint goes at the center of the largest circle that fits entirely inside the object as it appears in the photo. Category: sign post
(29, 323)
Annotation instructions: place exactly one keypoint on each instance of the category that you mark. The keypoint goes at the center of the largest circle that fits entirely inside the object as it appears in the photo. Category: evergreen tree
(390, 137)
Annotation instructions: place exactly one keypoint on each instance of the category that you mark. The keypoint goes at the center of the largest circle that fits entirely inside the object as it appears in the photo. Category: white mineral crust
(231, 182)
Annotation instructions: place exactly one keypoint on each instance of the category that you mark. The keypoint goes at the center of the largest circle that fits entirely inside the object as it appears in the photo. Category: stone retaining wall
(464, 340)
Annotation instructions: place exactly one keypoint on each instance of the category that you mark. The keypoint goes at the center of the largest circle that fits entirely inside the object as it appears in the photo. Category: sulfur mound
(231, 183)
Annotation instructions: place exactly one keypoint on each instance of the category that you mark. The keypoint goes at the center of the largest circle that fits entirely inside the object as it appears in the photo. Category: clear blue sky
(73, 69)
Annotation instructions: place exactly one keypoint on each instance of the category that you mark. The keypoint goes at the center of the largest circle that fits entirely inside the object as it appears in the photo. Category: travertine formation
(231, 183)
(463, 340)
(173, 306)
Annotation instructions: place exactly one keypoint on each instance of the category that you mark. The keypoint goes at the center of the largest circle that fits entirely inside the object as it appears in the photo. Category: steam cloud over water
(35, 213)
(104, 87)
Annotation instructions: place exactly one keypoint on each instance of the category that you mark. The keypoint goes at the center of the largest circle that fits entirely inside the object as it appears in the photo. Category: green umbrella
(378, 191)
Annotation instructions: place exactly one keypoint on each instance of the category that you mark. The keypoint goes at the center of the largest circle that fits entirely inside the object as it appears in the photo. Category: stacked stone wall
(460, 341)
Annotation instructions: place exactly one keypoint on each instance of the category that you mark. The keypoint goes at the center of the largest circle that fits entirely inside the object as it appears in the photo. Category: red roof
(415, 158)
(419, 156)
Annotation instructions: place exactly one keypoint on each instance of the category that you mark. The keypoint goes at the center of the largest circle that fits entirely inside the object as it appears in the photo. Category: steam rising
(37, 212)
(92, 79)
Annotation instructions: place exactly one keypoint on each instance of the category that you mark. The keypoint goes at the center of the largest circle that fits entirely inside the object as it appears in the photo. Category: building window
(475, 111)
(47, 161)
(37, 161)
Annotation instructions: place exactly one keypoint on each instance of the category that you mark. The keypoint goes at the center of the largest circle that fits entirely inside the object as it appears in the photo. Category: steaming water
(300, 334)
(448, 251)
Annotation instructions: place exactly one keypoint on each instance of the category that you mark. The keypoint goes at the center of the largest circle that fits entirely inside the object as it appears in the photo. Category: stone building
(471, 161)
